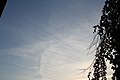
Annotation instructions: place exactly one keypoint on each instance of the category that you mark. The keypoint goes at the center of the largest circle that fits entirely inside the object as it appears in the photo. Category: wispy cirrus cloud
(50, 42)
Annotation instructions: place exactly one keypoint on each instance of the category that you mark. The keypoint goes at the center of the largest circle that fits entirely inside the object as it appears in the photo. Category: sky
(47, 39)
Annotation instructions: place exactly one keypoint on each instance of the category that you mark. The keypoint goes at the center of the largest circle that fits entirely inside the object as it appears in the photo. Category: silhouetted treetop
(108, 31)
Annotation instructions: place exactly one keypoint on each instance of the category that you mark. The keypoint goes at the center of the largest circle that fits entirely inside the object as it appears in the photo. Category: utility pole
(2, 6)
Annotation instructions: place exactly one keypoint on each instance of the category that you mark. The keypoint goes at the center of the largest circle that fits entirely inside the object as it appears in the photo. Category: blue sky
(47, 39)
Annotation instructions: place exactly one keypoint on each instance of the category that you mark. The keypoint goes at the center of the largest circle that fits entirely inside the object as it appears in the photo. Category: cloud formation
(49, 40)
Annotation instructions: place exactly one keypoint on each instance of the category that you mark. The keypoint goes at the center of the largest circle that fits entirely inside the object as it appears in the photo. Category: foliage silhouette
(108, 32)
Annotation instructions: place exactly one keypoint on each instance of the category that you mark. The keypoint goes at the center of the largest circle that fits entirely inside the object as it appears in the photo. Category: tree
(108, 32)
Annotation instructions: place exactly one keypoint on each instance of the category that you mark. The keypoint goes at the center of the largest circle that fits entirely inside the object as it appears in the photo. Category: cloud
(56, 54)
(52, 43)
